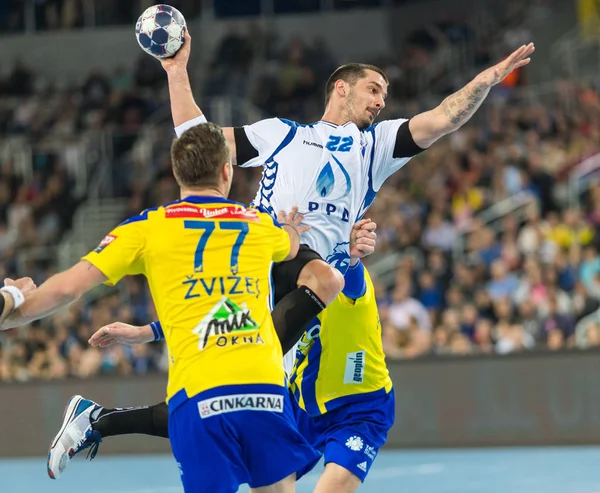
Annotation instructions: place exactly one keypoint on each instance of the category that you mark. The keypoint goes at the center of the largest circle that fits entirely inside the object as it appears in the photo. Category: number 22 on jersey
(337, 143)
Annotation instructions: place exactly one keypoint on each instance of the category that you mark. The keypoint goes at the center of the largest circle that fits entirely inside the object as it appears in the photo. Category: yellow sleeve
(120, 252)
(280, 240)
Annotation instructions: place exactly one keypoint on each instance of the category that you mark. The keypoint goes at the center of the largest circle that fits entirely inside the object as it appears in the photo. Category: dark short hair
(197, 156)
(350, 73)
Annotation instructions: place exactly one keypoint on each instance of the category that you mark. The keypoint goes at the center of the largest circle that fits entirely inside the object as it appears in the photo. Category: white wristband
(189, 124)
(16, 294)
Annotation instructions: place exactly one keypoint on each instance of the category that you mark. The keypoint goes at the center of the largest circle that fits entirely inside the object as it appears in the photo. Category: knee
(324, 280)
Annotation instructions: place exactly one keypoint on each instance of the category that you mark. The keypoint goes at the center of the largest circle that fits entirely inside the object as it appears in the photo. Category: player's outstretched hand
(496, 74)
(293, 219)
(25, 284)
(180, 60)
(363, 239)
(121, 333)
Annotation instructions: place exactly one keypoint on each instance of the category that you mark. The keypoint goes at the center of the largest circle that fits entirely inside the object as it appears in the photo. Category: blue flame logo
(326, 180)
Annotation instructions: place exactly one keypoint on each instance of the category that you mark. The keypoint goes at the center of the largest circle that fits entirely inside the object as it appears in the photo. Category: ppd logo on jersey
(240, 402)
(333, 184)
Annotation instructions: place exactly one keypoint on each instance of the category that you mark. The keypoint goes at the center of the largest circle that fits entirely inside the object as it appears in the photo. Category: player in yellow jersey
(342, 393)
(207, 260)
(341, 386)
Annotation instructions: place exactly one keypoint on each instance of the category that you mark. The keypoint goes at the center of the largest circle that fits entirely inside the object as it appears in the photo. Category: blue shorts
(238, 434)
(350, 435)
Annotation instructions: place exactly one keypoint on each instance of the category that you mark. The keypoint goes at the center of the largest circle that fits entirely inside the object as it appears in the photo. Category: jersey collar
(206, 199)
(334, 124)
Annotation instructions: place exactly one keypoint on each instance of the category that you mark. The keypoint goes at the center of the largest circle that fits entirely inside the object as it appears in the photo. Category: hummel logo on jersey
(240, 402)
(224, 318)
(362, 466)
(355, 443)
(314, 144)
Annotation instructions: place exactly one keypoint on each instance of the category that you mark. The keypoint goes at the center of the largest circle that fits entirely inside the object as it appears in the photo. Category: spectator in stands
(503, 283)
(403, 307)
(589, 271)
(439, 233)
(523, 280)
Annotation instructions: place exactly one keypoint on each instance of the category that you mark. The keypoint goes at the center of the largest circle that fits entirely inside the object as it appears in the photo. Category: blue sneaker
(76, 434)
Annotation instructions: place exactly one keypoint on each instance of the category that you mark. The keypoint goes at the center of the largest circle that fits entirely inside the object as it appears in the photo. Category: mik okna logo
(227, 317)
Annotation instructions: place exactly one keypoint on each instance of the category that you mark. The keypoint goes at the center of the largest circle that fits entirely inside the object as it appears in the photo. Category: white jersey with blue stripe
(331, 172)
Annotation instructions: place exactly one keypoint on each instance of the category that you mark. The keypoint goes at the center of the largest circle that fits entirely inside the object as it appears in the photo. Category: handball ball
(160, 31)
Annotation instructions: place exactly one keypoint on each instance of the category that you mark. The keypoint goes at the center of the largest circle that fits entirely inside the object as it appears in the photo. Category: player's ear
(341, 88)
(227, 172)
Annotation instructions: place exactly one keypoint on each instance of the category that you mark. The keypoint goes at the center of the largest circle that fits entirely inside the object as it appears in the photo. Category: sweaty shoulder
(258, 142)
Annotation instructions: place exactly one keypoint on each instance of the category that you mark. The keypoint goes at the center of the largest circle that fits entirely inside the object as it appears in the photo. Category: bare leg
(337, 479)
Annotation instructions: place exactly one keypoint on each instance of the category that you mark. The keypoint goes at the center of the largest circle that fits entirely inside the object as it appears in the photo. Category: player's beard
(353, 115)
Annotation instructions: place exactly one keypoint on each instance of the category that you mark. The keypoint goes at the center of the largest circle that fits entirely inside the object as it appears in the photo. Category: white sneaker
(76, 434)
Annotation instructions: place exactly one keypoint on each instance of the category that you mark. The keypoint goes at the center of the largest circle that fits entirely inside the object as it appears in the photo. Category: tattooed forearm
(460, 106)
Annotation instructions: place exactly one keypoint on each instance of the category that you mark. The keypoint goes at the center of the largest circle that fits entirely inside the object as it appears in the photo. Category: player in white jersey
(332, 170)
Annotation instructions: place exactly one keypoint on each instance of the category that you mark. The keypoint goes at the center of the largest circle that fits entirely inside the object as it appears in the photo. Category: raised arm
(458, 108)
(184, 110)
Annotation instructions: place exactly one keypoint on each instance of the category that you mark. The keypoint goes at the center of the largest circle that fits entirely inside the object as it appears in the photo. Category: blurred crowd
(58, 348)
(530, 279)
(60, 15)
(465, 283)
(43, 15)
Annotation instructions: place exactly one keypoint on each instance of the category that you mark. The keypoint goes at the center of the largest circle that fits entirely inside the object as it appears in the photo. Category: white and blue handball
(160, 31)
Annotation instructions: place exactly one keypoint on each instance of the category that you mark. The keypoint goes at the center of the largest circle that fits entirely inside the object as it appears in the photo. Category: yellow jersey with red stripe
(208, 262)
(340, 358)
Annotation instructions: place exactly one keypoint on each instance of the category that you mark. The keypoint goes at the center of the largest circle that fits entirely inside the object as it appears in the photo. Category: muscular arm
(458, 108)
(450, 115)
(184, 109)
(294, 241)
(183, 106)
(58, 291)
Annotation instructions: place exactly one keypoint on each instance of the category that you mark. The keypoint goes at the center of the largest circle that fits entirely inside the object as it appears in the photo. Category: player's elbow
(68, 293)
(68, 286)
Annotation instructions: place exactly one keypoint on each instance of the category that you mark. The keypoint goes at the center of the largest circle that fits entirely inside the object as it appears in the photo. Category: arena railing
(585, 175)
(17, 150)
(515, 205)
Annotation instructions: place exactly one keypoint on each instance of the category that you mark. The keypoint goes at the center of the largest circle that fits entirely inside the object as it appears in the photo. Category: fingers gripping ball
(160, 31)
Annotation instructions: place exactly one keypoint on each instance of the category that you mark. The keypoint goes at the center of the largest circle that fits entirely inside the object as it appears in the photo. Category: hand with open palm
(496, 74)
